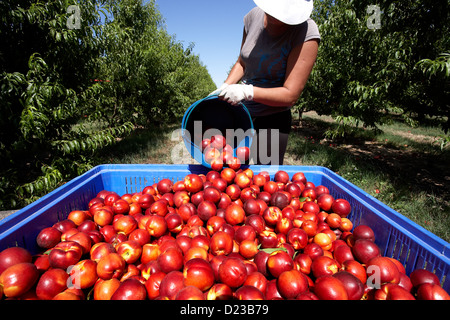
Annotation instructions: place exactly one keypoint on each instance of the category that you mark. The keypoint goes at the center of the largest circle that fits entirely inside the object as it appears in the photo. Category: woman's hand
(218, 90)
(235, 93)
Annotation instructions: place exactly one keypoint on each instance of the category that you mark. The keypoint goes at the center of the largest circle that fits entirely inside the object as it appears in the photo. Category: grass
(144, 146)
(401, 166)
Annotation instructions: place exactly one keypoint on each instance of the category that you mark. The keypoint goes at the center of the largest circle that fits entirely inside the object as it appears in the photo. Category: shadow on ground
(427, 171)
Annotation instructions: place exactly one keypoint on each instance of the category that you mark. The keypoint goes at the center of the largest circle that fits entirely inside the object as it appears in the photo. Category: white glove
(235, 93)
(218, 90)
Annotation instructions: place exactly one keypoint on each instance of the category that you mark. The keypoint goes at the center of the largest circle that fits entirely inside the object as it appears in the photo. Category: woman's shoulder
(311, 23)
(254, 14)
(307, 30)
(312, 31)
(255, 11)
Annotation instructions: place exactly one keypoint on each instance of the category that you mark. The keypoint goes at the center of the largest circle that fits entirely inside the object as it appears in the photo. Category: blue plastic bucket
(210, 116)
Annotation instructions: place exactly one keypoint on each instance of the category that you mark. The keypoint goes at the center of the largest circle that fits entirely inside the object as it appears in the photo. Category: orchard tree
(75, 77)
(44, 90)
(369, 62)
(151, 78)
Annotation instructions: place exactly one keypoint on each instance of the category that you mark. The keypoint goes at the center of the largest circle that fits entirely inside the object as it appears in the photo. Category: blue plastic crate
(397, 236)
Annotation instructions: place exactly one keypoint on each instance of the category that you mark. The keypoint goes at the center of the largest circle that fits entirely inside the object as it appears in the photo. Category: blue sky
(215, 27)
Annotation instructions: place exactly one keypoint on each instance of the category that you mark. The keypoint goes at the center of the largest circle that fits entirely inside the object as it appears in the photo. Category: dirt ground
(429, 171)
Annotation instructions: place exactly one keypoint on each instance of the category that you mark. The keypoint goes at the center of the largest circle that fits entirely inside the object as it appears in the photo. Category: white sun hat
(291, 12)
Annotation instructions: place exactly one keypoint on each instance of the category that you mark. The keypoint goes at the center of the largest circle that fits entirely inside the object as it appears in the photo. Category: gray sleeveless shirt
(265, 57)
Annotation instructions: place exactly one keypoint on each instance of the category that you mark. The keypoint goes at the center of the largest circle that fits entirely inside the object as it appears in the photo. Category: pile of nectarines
(228, 234)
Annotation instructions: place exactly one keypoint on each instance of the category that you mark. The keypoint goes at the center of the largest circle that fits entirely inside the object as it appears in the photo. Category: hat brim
(290, 12)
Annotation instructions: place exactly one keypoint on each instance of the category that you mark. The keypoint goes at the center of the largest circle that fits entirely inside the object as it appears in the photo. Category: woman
(278, 51)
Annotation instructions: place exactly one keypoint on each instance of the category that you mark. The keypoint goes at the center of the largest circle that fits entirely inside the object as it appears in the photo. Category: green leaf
(272, 250)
